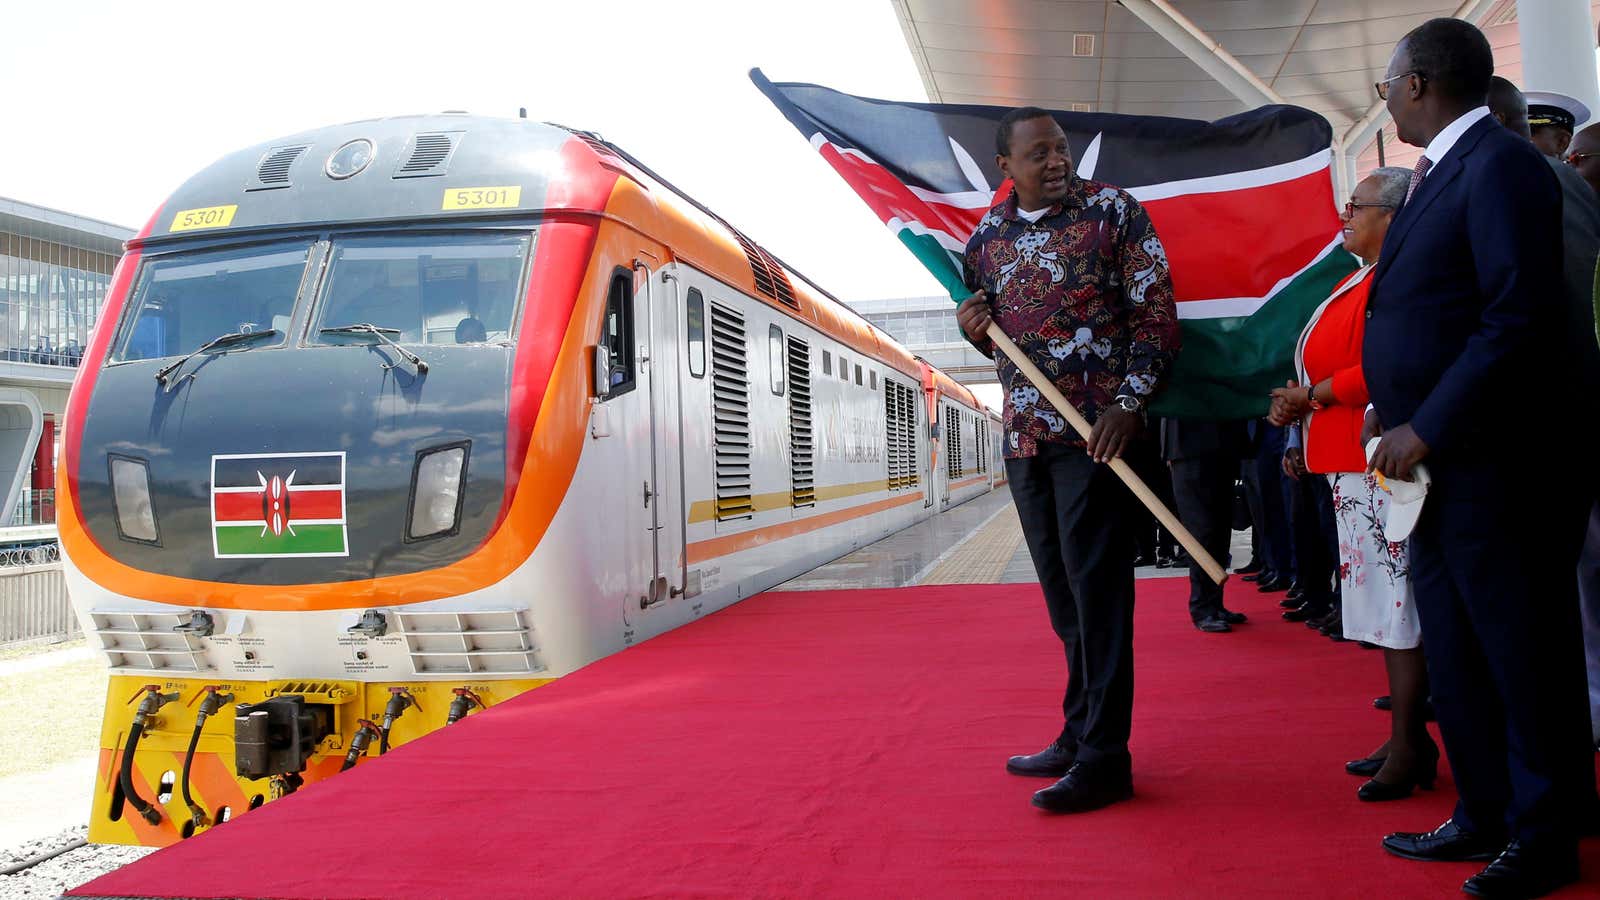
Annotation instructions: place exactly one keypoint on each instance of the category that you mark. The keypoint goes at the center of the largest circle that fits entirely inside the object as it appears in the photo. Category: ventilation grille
(802, 474)
(490, 640)
(770, 277)
(430, 154)
(146, 640)
(1083, 45)
(730, 408)
(273, 171)
(900, 428)
(954, 465)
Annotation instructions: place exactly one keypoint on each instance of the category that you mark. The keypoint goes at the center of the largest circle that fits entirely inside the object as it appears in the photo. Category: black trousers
(1492, 565)
(1075, 516)
(1316, 536)
(1203, 489)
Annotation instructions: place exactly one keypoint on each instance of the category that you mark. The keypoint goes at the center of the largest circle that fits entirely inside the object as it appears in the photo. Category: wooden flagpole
(1123, 470)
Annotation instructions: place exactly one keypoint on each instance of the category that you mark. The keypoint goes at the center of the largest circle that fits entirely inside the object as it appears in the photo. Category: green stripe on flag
(944, 265)
(1228, 366)
(233, 540)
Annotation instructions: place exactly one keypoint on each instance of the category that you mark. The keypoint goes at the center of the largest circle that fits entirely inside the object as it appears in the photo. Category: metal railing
(34, 507)
(33, 597)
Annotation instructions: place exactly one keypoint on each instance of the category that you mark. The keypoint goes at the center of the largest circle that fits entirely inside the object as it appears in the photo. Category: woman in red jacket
(1327, 406)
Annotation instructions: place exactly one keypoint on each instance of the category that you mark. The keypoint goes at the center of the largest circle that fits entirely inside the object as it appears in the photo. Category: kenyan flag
(278, 504)
(1244, 206)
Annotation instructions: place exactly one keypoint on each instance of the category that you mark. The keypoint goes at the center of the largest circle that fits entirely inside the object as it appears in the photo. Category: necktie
(1417, 174)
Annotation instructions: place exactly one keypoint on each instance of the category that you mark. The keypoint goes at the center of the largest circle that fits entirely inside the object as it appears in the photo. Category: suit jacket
(1468, 294)
(1580, 236)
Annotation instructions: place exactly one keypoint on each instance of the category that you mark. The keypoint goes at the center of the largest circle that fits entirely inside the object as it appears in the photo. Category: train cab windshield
(417, 288)
(185, 300)
(431, 289)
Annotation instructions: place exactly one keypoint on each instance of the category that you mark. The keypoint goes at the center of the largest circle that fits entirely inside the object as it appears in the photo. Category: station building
(54, 271)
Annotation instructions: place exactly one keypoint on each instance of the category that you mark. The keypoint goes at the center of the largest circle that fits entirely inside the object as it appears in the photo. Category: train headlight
(130, 494)
(436, 491)
(349, 159)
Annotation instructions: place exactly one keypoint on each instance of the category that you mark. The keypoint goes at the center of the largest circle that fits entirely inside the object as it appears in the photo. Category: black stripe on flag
(909, 139)
(242, 471)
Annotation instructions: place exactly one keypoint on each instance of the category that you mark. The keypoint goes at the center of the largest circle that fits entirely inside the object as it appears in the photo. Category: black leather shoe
(1233, 618)
(1273, 586)
(1287, 603)
(1296, 590)
(1086, 787)
(1522, 871)
(1051, 762)
(1213, 622)
(1317, 623)
(1384, 703)
(1164, 561)
(1249, 568)
(1141, 561)
(1447, 843)
(1261, 575)
(1305, 611)
(1366, 767)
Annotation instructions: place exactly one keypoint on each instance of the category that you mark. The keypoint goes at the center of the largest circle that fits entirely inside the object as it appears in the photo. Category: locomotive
(390, 421)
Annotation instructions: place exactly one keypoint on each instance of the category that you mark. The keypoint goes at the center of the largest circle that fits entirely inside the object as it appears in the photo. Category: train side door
(664, 344)
(624, 377)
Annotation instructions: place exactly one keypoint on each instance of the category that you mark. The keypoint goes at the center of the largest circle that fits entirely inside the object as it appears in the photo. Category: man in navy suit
(1462, 339)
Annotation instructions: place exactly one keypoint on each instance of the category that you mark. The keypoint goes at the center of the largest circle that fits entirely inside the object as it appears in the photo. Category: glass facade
(50, 297)
(922, 327)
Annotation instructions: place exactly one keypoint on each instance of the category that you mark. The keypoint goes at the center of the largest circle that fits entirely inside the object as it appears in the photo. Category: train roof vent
(273, 170)
(770, 277)
(430, 154)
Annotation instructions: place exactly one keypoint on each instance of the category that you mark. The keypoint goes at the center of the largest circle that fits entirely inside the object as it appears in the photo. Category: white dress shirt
(1444, 140)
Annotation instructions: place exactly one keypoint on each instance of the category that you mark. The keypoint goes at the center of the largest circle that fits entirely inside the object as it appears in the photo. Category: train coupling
(278, 735)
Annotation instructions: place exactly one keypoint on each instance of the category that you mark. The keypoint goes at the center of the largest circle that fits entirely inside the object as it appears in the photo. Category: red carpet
(851, 744)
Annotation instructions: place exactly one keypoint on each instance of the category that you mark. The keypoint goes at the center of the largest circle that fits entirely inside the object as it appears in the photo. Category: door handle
(647, 495)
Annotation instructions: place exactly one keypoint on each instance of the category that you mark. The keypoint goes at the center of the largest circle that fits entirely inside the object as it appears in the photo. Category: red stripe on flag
(892, 200)
(246, 507)
(1241, 243)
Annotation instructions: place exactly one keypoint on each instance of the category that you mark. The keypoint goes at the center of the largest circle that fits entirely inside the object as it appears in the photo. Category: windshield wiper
(232, 338)
(382, 334)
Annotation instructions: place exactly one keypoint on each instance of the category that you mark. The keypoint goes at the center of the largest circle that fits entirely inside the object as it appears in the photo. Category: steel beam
(1203, 50)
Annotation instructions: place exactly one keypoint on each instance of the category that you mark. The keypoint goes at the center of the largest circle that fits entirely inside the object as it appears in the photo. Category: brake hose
(208, 707)
(153, 700)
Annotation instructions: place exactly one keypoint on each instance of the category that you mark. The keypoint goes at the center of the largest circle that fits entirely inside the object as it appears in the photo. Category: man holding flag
(1073, 272)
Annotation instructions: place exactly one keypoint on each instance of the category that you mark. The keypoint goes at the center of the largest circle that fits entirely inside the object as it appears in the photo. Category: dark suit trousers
(1492, 566)
(1316, 542)
(1203, 489)
(1075, 515)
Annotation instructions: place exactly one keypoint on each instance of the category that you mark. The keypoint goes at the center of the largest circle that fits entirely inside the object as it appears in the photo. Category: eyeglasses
(1351, 206)
(1576, 159)
(1382, 87)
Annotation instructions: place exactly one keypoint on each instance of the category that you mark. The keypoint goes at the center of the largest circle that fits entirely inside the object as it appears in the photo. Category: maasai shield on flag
(278, 504)
(1243, 205)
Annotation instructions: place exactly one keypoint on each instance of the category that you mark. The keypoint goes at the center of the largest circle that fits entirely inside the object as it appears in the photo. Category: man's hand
(1113, 432)
(1289, 403)
(974, 315)
(1371, 427)
(1294, 463)
(1398, 452)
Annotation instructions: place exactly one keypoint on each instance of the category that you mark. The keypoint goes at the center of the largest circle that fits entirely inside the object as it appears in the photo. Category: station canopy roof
(1155, 57)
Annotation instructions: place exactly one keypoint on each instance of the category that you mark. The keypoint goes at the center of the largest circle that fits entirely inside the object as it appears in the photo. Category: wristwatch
(1312, 401)
(1130, 403)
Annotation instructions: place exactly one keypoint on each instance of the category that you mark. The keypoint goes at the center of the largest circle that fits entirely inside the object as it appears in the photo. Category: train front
(299, 491)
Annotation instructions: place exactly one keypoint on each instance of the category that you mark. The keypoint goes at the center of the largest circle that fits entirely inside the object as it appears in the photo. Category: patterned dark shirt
(1086, 294)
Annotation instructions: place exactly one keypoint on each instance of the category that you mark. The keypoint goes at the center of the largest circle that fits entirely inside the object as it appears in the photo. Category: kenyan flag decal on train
(1244, 207)
(278, 505)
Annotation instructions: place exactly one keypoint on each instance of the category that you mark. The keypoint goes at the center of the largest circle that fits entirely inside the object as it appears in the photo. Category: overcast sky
(110, 105)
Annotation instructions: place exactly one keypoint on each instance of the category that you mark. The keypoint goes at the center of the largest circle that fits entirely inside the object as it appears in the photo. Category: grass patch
(51, 715)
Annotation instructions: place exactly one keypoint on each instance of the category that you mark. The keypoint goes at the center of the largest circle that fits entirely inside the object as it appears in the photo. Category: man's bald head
(1508, 106)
